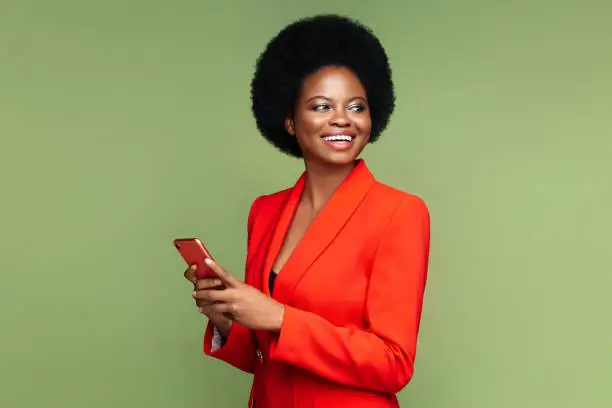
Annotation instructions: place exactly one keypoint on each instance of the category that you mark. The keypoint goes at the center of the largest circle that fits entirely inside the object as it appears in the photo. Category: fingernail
(209, 261)
(194, 293)
(201, 309)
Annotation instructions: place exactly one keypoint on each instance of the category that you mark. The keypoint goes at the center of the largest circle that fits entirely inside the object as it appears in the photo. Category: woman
(336, 266)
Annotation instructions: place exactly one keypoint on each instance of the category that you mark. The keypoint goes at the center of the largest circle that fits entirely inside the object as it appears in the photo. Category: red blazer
(353, 290)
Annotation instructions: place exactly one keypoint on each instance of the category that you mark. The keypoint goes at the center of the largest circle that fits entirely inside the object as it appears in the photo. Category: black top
(271, 281)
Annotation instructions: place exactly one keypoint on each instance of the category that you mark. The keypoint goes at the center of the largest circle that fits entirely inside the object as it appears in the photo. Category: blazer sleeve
(380, 358)
(239, 348)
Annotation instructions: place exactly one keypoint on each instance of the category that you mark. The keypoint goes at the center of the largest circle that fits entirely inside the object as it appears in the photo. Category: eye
(357, 108)
(320, 107)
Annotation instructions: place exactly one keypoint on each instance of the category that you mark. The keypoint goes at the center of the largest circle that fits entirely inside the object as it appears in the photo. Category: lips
(339, 136)
(339, 140)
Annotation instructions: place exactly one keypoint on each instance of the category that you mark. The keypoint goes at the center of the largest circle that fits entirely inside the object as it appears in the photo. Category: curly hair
(304, 47)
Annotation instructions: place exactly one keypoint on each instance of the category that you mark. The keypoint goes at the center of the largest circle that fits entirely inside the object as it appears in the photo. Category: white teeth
(338, 138)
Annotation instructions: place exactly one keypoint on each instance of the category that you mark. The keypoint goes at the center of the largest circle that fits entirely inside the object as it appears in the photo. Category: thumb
(190, 274)
(224, 275)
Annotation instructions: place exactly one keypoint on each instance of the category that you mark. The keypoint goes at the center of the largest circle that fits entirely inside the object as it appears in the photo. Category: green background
(125, 124)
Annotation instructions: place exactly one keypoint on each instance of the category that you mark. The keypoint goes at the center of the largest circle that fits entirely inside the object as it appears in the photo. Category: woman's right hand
(222, 323)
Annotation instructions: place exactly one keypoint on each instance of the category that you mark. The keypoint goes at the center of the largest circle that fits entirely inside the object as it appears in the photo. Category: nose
(340, 119)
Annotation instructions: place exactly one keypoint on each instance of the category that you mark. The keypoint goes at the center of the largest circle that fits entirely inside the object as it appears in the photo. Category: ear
(290, 126)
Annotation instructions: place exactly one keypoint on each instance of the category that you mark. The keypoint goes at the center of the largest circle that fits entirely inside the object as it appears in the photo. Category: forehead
(333, 82)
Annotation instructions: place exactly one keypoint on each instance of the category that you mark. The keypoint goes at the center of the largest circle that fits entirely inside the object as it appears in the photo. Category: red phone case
(193, 252)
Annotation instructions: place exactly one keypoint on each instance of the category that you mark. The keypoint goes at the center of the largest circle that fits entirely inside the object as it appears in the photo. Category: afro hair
(304, 47)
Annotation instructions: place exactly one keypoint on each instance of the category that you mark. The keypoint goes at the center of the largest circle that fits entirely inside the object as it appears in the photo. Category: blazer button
(259, 355)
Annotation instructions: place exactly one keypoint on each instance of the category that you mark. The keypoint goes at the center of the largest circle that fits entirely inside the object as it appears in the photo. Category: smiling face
(332, 118)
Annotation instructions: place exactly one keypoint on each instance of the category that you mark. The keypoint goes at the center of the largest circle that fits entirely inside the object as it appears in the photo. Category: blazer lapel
(278, 234)
(326, 226)
(260, 256)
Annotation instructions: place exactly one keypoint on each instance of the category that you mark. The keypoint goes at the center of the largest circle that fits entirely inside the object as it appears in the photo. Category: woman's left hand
(246, 305)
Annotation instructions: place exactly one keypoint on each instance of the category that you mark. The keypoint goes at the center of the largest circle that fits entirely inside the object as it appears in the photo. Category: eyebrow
(327, 99)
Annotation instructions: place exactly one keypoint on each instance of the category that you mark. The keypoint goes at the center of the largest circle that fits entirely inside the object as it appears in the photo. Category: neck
(322, 181)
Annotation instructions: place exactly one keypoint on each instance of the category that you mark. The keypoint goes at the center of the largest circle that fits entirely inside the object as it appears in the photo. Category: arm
(380, 358)
(238, 349)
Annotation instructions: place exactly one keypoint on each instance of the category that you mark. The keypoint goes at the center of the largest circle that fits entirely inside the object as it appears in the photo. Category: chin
(337, 158)
(342, 159)
(327, 156)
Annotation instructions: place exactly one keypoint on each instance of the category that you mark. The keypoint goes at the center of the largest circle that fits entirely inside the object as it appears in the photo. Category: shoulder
(266, 206)
(406, 219)
(269, 202)
(398, 202)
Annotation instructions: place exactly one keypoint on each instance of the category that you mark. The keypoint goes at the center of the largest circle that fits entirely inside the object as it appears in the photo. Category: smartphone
(193, 252)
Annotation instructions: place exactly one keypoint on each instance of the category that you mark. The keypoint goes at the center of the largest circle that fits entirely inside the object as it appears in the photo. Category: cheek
(309, 123)
(363, 123)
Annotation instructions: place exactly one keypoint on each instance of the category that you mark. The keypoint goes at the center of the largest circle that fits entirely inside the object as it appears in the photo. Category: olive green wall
(124, 124)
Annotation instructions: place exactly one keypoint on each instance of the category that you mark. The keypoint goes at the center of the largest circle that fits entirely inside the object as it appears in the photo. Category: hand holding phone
(194, 252)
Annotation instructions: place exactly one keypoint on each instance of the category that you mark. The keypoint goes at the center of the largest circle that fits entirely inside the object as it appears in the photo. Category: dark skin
(332, 101)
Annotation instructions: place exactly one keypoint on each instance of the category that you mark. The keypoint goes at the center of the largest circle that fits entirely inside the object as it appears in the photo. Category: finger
(190, 274)
(219, 308)
(202, 302)
(213, 295)
(224, 275)
(208, 283)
